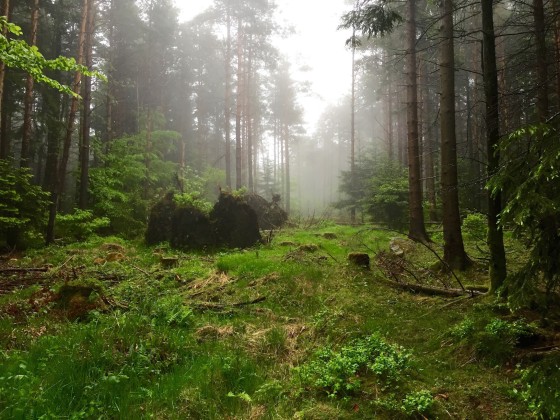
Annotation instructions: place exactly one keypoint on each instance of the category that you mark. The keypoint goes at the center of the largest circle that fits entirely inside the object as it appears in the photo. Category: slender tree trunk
(28, 99)
(389, 119)
(239, 107)
(495, 233)
(286, 132)
(249, 110)
(353, 131)
(110, 83)
(541, 65)
(556, 8)
(416, 230)
(429, 148)
(4, 140)
(61, 170)
(453, 252)
(227, 105)
(86, 105)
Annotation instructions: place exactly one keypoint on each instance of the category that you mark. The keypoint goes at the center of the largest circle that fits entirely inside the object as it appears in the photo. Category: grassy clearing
(286, 330)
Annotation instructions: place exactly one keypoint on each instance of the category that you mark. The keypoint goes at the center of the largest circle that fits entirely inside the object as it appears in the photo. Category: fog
(305, 76)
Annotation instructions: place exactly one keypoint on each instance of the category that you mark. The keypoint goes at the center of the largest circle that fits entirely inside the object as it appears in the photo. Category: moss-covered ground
(286, 330)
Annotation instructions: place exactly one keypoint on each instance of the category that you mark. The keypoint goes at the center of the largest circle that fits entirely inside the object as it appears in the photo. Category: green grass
(185, 341)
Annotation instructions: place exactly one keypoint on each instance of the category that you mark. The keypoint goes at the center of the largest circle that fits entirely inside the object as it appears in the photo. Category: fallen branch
(433, 291)
(221, 306)
(24, 270)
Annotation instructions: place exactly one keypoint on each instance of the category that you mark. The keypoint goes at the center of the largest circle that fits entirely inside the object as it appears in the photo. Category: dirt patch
(359, 259)
(76, 301)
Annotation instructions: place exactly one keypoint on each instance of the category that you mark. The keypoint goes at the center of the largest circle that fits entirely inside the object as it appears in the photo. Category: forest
(190, 227)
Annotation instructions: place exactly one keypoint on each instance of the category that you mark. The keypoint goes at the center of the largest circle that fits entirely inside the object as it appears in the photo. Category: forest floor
(114, 329)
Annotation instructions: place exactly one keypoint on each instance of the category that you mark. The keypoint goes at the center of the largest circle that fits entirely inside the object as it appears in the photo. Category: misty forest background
(441, 164)
(451, 113)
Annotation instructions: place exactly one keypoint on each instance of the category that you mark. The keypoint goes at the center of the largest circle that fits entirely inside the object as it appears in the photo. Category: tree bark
(556, 9)
(495, 234)
(286, 132)
(86, 105)
(58, 187)
(28, 99)
(249, 110)
(416, 230)
(453, 252)
(429, 148)
(353, 131)
(239, 107)
(541, 66)
(227, 104)
(4, 140)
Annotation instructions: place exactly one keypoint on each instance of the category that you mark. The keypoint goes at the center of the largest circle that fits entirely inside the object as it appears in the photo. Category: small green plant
(539, 388)
(337, 372)
(492, 340)
(170, 310)
(475, 226)
(80, 224)
(193, 199)
(463, 330)
(418, 402)
(22, 205)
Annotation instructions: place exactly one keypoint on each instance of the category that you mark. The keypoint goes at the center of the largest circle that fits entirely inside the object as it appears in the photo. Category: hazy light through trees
(315, 49)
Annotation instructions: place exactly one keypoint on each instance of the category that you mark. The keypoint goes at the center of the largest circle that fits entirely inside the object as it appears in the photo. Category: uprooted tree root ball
(231, 223)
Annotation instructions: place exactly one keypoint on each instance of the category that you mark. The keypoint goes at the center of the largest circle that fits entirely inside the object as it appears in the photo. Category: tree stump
(359, 259)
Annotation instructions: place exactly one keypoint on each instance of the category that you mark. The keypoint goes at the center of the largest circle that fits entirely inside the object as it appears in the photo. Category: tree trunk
(286, 132)
(495, 233)
(557, 48)
(86, 105)
(353, 131)
(416, 230)
(541, 66)
(4, 140)
(389, 119)
(453, 251)
(239, 107)
(429, 148)
(28, 99)
(227, 105)
(249, 99)
(58, 187)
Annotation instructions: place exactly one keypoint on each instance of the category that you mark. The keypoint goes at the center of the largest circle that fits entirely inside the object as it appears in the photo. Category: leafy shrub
(80, 224)
(475, 226)
(388, 191)
(170, 310)
(418, 402)
(336, 372)
(531, 182)
(492, 340)
(539, 388)
(22, 205)
(131, 178)
(193, 199)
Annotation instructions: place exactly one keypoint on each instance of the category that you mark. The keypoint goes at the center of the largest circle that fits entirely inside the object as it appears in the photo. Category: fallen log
(202, 306)
(433, 291)
(24, 270)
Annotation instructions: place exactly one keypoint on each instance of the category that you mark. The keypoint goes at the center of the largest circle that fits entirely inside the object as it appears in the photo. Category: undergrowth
(289, 329)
